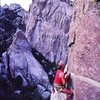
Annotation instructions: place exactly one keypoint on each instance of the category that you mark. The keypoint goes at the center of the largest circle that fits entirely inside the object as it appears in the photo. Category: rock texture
(46, 31)
(84, 49)
(22, 63)
(45, 40)
(47, 28)
(12, 17)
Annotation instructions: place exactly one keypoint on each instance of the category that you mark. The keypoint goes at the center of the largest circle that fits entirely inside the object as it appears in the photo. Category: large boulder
(47, 28)
(22, 63)
(84, 49)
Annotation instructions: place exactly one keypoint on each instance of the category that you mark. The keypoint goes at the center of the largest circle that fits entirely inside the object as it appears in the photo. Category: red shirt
(59, 75)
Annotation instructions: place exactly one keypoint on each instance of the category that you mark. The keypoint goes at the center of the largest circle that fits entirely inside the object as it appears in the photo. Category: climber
(60, 81)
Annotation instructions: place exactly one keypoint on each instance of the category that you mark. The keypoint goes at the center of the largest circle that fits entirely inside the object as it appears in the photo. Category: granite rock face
(22, 63)
(85, 88)
(84, 49)
(47, 28)
(12, 17)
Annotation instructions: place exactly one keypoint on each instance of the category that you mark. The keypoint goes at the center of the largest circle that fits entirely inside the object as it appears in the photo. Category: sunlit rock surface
(84, 49)
(47, 28)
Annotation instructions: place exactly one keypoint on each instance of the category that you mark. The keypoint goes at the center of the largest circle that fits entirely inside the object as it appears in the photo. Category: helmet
(61, 65)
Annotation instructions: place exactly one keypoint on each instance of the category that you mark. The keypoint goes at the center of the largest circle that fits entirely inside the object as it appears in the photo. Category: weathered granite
(12, 17)
(22, 62)
(84, 41)
(47, 28)
(85, 88)
(84, 49)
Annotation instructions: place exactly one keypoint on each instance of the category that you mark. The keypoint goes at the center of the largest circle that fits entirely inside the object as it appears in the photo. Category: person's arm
(63, 80)
(66, 74)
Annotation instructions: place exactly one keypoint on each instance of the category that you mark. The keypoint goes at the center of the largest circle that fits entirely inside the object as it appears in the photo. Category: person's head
(61, 65)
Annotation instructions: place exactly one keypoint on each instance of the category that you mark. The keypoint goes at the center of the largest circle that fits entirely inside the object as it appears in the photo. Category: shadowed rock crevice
(97, 0)
(48, 66)
(73, 42)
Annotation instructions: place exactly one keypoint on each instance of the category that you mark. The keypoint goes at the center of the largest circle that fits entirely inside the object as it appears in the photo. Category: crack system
(73, 42)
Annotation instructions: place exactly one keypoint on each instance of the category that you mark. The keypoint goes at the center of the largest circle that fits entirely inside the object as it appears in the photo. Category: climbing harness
(57, 88)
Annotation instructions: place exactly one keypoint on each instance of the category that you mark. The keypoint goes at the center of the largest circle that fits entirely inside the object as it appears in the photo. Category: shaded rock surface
(84, 49)
(22, 63)
(11, 91)
(47, 28)
(12, 17)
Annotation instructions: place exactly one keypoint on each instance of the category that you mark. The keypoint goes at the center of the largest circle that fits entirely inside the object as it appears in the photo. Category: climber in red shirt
(59, 78)
(60, 81)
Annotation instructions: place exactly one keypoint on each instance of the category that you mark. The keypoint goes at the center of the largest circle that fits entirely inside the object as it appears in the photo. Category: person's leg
(67, 91)
(68, 97)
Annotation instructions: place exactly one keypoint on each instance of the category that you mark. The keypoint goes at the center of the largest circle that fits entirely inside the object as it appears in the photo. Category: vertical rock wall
(84, 50)
(47, 28)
